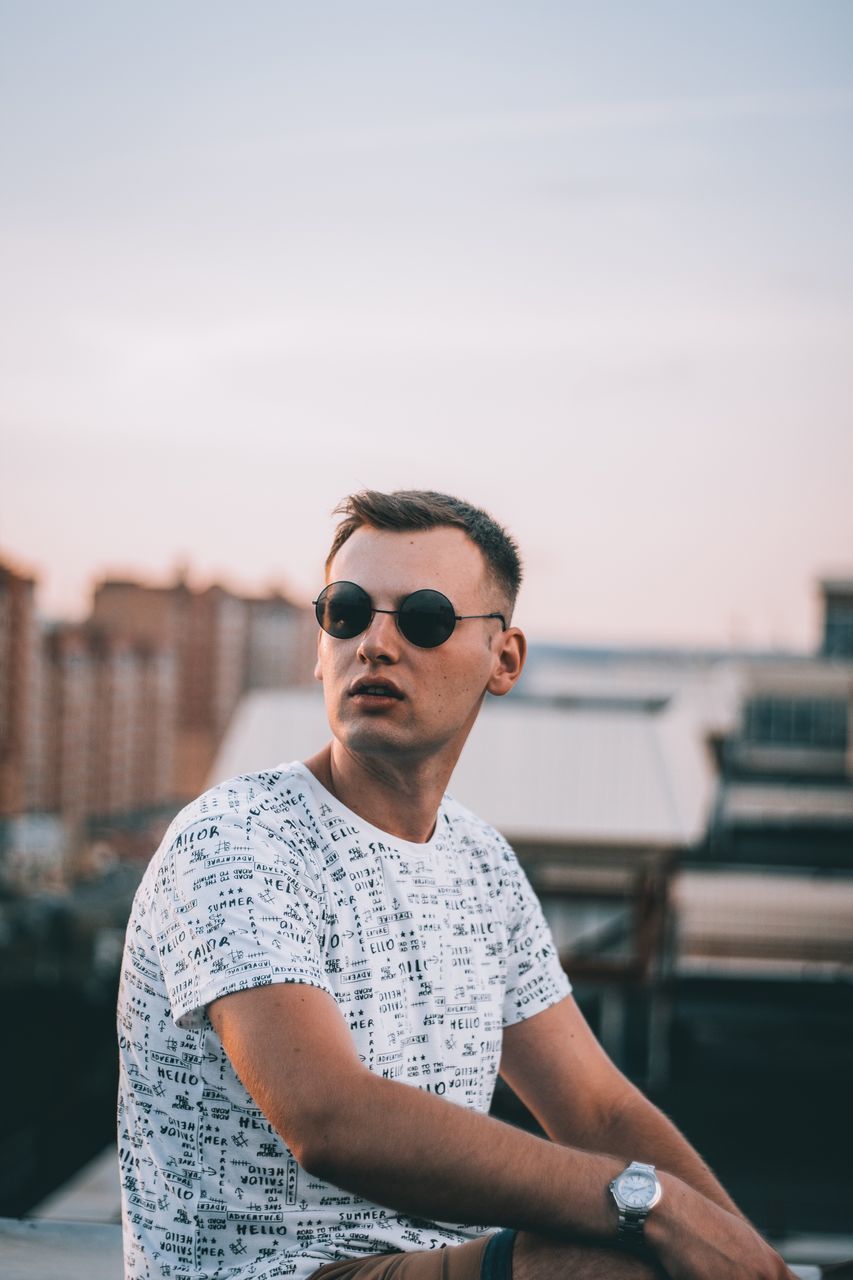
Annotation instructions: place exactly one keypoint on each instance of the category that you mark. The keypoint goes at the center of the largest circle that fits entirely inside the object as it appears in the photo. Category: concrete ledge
(92, 1195)
(45, 1250)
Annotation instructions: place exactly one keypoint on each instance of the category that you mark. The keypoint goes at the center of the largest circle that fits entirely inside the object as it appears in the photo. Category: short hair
(407, 509)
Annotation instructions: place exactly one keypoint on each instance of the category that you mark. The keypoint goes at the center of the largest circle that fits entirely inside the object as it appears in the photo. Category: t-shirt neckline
(323, 793)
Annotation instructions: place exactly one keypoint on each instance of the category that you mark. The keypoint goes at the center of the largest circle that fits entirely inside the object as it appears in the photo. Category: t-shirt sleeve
(235, 905)
(535, 978)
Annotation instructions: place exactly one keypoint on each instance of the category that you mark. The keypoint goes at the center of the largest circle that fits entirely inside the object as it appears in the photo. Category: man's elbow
(319, 1148)
(325, 1137)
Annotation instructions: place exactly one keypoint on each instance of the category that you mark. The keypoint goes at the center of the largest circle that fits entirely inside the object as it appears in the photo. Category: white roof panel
(271, 726)
(539, 772)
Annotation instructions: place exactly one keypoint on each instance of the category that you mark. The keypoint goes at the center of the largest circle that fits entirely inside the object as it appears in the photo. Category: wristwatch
(636, 1191)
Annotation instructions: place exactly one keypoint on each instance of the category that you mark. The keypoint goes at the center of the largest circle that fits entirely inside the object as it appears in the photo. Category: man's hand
(696, 1240)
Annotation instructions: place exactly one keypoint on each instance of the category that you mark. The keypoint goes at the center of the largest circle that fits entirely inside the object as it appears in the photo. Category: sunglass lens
(343, 610)
(427, 618)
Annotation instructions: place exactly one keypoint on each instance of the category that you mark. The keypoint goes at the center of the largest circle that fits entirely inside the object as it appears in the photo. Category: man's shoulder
(229, 808)
(285, 785)
(466, 824)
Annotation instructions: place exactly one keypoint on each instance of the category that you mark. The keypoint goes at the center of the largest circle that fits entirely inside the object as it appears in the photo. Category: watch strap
(631, 1224)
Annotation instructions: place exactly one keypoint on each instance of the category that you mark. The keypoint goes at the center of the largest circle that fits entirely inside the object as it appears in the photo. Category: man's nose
(381, 641)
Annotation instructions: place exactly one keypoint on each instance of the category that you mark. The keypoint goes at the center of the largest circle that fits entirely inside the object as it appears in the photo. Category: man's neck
(402, 801)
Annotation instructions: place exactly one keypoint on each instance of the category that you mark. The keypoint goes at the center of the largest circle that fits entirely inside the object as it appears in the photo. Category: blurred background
(586, 265)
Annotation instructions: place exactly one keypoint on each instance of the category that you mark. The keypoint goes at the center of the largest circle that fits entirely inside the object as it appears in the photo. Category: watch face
(638, 1190)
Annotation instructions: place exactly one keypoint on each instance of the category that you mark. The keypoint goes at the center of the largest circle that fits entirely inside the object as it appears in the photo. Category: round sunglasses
(425, 618)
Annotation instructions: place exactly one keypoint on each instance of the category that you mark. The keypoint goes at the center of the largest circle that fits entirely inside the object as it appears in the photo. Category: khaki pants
(487, 1259)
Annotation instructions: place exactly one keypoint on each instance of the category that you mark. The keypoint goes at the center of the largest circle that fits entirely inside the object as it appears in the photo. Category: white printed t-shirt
(428, 949)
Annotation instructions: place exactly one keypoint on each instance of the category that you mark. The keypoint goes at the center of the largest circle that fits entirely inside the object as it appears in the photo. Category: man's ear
(318, 669)
(509, 661)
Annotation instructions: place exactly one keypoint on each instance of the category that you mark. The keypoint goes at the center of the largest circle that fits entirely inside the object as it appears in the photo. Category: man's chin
(378, 738)
(371, 736)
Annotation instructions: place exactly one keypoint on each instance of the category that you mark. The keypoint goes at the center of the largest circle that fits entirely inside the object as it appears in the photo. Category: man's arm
(421, 1155)
(563, 1076)
(389, 1142)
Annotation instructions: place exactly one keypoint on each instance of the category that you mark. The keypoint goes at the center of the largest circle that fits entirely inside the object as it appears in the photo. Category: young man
(327, 965)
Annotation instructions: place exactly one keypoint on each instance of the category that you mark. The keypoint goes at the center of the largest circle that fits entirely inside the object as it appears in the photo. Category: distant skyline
(587, 265)
(53, 606)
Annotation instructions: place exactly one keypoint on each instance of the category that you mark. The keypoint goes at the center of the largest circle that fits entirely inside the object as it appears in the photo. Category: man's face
(431, 696)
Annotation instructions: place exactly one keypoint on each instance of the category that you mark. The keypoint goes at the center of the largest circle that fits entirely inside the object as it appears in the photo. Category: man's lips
(368, 688)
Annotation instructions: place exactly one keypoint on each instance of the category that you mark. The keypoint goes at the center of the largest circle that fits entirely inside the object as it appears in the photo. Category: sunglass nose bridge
(382, 633)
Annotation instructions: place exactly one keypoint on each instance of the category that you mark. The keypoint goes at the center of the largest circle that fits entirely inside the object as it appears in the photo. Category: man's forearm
(638, 1130)
(395, 1144)
(424, 1156)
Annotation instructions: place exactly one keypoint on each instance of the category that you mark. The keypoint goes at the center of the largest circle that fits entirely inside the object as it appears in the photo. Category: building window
(838, 635)
(797, 722)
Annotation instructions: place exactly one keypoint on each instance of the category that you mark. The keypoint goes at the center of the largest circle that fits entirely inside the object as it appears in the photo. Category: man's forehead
(410, 558)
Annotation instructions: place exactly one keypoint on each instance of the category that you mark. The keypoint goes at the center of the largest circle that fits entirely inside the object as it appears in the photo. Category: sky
(588, 265)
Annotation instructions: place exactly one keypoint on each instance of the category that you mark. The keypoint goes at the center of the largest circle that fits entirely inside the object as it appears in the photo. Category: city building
(837, 594)
(121, 715)
(19, 677)
(111, 705)
(786, 768)
(69, 690)
(223, 644)
(282, 643)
